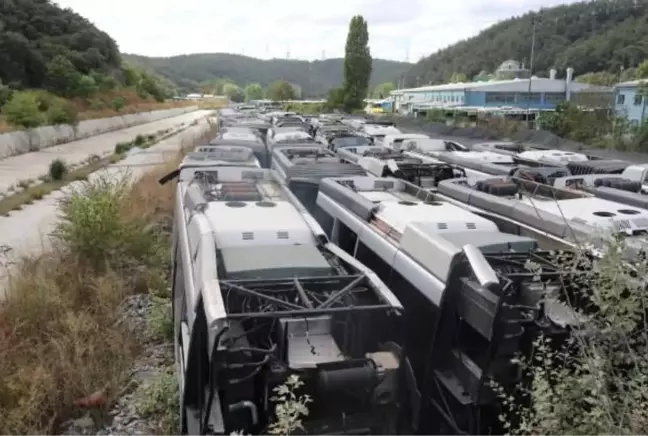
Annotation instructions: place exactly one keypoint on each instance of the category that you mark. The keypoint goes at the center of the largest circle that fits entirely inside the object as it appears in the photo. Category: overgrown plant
(598, 382)
(158, 399)
(290, 407)
(58, 169)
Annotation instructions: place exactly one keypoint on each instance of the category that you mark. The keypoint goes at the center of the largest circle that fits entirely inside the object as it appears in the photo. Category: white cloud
(265, 29)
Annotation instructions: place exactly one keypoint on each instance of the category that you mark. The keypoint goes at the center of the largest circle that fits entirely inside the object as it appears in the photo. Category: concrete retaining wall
(25, 141)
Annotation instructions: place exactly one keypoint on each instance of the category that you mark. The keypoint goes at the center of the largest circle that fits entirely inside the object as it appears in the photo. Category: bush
(94, 228)
(122, 147)
(118, 103)
(139, 140)
(23, 110)
(57, 169)
(61, 111)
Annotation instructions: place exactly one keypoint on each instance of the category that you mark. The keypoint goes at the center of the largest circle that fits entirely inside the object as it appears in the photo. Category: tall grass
(62, 336)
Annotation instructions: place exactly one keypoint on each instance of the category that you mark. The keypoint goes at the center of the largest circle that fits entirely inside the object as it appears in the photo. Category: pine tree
(357, 64)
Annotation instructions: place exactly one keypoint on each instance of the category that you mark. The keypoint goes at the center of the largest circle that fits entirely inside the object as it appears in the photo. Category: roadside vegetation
(60, 174)
(58, 68)
(65, 348)
(596, 382)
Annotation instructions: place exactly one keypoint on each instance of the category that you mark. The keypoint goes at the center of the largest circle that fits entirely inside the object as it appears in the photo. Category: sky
(299, 29)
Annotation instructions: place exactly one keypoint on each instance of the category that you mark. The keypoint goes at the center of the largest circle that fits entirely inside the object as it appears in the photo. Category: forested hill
(314, 78)
(594, 36)
(34, 32)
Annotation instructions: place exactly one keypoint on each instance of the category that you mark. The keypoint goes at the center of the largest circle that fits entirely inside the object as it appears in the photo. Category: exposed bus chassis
(480, 331)
(328, 331)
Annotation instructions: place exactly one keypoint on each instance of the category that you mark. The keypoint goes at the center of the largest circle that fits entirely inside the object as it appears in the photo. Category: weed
(38, 192)
(139, 140)
(24, 184)
(123, 147)
(58, 169)
(94, 226)
(160, 321)
(290, 408)
(61, 339)
(158, 400)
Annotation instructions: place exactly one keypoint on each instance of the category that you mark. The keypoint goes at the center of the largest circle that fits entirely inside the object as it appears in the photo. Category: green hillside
(315, 78)
(34, 32)
(594, 36)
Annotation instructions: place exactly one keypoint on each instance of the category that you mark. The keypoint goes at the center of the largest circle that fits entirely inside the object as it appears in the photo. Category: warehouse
(535, 94)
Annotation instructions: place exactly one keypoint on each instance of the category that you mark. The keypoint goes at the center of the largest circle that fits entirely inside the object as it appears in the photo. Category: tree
(483, 76)
(280, 90)
(5, 94)
(150, 85)
(642, 70)
(602, 78)
(104, 82)
(62, 77)
(357, 64)
(233, 92)
(458, 78)
(85, 87)
(335, 99)
(383, 90)
(254, 91)
(131, 75)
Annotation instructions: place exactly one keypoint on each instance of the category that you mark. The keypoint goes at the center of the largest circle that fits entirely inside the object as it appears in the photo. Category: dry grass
(61, 339)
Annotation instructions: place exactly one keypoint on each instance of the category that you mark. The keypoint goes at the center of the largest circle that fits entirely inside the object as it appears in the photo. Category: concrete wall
(25, 141)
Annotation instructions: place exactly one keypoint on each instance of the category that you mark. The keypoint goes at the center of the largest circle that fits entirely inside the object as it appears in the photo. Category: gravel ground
(124, 416)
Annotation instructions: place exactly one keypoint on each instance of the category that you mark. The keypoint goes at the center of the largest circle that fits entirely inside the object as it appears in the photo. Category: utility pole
(533, 37)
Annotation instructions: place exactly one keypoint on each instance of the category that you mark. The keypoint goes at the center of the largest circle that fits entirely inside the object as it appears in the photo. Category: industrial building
(630, 102)
(534, 94)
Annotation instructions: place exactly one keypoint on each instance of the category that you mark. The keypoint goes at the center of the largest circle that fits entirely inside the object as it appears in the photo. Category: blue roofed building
(512, 95)
(630, 101)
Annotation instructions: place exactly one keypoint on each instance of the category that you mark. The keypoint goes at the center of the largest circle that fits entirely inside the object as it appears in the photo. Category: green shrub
(58, 169)
(122, 147)
(94, 227)
(23, 110)
(61, 111)
(160, 320)
(118, 103)
(139, 140)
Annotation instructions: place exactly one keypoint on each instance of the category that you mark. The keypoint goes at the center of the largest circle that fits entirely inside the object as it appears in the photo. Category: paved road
(36, 164)
(25, 231)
